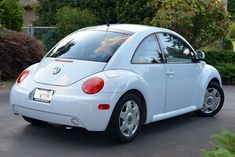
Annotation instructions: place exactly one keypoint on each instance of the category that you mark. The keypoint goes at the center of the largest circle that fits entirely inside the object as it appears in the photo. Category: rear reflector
(104, 107)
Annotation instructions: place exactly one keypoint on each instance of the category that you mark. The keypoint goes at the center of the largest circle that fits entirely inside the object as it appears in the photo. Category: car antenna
(107, 22)
(106, 18)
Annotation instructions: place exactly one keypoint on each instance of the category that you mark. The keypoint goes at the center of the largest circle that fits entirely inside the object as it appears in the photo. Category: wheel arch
(219, 103)
(141, 96)
(131, 91)
(215, 80)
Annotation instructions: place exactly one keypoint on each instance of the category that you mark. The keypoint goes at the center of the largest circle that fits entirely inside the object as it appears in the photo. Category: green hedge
(216, 57)
(224, 62)
(227, 71)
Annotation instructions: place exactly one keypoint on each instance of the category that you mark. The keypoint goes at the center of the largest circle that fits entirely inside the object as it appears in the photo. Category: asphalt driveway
(183, 136)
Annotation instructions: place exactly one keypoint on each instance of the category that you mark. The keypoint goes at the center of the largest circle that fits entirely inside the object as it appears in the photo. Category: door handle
(170, 73)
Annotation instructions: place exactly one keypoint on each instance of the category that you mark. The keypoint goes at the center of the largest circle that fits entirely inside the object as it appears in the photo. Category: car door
(148, 62)
(182, 74)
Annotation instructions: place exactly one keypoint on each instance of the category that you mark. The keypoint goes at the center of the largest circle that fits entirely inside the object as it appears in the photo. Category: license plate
(43, 95)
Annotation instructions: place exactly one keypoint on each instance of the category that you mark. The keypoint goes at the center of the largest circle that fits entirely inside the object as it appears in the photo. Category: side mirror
(200, 56)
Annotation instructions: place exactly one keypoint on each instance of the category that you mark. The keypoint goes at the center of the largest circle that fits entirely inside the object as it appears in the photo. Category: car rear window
(89, 45)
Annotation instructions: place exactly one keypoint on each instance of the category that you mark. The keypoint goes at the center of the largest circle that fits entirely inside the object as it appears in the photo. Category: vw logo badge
(56, 70)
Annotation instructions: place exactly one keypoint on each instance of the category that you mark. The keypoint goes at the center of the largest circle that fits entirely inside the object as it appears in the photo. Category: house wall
(29, 17)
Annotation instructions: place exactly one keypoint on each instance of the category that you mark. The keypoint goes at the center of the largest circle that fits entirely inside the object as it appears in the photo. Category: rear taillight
(93, 85)
(22, 76)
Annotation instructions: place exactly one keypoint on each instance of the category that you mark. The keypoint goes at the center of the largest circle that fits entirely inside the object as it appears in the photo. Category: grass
(6, 84)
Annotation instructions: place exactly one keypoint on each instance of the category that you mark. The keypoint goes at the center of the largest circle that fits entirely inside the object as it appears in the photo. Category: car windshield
(89, 45)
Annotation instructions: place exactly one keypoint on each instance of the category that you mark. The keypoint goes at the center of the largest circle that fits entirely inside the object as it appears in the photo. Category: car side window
(148, 51)
(175, 49)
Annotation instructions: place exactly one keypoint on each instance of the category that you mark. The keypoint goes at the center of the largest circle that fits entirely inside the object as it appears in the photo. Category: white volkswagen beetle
(117, 78)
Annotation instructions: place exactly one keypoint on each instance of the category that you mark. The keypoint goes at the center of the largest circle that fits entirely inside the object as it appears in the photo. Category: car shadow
(57, 135)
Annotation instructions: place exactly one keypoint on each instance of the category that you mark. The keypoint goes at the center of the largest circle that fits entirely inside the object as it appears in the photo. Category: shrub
(11, 14)
(224, 62)
(17, 51)
(72, 19)
(224, 145)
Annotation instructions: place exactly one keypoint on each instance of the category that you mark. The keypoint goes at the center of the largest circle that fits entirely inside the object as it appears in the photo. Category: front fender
(208, 73)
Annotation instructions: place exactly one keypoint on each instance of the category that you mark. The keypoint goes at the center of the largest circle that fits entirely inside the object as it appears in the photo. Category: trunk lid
(64, 72)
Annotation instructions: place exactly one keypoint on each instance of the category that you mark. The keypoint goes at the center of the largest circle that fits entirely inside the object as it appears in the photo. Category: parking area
(183, 136)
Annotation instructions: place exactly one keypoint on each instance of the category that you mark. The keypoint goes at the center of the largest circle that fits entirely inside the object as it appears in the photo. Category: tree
(232, 31)
(102, 9)
(11, 14)
(231, 8)
(113, 11)
(201, 22)
(46, 11)
(132, 11)
(69, 20)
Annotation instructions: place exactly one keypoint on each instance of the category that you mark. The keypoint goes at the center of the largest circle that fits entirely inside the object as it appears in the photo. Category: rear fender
(121, 81)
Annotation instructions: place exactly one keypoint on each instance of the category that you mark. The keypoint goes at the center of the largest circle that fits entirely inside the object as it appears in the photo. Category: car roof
(125, 28)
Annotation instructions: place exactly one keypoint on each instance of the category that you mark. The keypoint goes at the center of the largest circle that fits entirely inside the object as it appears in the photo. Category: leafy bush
(224, 145)
(18, 50)
(72, 19)
(11, 14)
(224, 62)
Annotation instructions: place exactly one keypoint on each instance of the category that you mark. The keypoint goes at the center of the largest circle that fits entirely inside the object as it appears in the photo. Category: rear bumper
(45, 116)
(65, 107)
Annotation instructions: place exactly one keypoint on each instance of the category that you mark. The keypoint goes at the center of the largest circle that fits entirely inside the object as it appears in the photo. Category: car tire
(213, 100)
(34, 121)
(127, 119)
